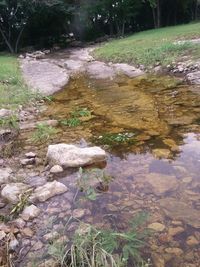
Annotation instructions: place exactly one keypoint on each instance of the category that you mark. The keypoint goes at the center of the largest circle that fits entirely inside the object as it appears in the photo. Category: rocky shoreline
(32, 176)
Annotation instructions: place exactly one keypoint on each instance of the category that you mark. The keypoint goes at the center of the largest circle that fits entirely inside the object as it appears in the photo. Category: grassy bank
(13, 91)
(152, 46)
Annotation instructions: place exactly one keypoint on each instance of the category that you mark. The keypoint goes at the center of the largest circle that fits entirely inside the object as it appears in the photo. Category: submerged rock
(12, 191)
(4, 175)
(157, 227)
(48, 190)
(161, 183)
(179, 210)
(161, 153)
(30, 212)
(73, 156)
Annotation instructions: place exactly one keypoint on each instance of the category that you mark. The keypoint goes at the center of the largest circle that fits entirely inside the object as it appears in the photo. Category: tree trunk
(154, 17)
(9, 45)
(18, 39)
(196, 10)
(158, 14)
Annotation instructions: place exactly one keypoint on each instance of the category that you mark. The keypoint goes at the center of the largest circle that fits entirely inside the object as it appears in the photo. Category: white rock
(5, 113)
(56, 169)
(50, 189)
(73, 156)
(13, 244)
(4, 175)
(30, 212)
(2, 235)
(30, 155)
(12, 191)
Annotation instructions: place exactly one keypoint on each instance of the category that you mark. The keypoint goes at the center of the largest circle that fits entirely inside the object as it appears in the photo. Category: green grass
(13, 91)
(43, 133)
(152, 46)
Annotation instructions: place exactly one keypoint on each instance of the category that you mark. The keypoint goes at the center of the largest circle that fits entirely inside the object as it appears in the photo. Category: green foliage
(92, 247)
(75, 117)
(43, 133)
(72, 122)
(22, 202)
(10, 122)
(87, 179)
(81, 112)
(116, 138)
(13, 91)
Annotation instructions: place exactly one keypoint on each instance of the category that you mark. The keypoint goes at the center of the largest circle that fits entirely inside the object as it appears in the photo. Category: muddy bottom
(150, 128)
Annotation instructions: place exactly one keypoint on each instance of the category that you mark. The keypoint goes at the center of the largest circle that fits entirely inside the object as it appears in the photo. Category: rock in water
(4, 175)
(12, 191)
(30, 212)
(179, 210)
(73, 156)
(161, 183)
(51, 189)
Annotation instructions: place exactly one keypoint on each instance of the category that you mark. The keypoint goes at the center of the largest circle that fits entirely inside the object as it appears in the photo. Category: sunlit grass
(13, 91)
(152, 46)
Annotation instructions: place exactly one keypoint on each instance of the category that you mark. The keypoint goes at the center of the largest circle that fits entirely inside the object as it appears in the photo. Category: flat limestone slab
(44, 77)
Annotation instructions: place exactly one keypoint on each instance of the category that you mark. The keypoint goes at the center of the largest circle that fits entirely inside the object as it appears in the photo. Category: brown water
(156, 168)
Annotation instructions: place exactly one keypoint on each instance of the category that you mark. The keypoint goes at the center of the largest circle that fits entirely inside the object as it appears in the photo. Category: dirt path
(50, 74)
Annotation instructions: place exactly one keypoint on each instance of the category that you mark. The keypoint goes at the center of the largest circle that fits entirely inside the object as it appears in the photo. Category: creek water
(150, 129)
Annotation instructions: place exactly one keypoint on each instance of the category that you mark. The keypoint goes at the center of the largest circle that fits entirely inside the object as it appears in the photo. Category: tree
(16, 14)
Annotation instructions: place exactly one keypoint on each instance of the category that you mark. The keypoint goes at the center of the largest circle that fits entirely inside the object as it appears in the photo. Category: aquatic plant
(88, 177)
(75, 117)
(72, 122)
(81, 112)
(116, 138)
(22, 202)
(43, 133)
(93, 247)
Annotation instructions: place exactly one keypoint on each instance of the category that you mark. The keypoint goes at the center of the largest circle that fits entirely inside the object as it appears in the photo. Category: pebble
(30, 155)
(175, 230)
(30, 213)
(192, 241)
(158, 227)
(27, 232)
(13, 244)
(28, 161)
(2, 235)
(56, 169)
(175, 251)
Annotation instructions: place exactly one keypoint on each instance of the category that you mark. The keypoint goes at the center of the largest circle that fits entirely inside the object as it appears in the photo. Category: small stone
(192, 241)
(175, 231)
(50, 189)
(37, 245)
(5, 113)
(30, 155)
(27, 232)
(13, 244)
(28, 161)
(51, 236)
(157, 227)
(176, 251)
(19, 223)
(4, 175)
(2, 235)
(30, 213)
(56, 169)
(78, 213)
(158, 261)
(161, 153)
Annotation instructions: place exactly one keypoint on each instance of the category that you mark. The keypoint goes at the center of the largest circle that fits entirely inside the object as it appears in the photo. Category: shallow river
(150, 129)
